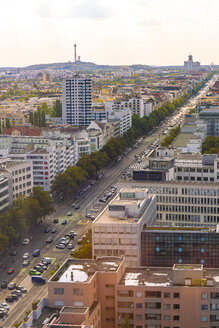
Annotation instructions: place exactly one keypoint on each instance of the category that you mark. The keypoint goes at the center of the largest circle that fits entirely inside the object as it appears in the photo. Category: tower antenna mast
(76, 68)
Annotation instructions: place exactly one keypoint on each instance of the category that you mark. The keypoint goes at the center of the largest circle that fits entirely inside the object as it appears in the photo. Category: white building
(136, 105)
(191, 66)
(123, 115)
(76, 100)
(117, 230)
(4, 193)
(20, 177)
(186, 204)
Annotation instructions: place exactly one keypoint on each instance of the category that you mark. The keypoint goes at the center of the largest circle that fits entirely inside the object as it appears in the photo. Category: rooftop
(81, 271)
(163, 277)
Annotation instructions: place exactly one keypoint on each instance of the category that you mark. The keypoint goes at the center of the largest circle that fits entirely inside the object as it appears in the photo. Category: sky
(115, 32)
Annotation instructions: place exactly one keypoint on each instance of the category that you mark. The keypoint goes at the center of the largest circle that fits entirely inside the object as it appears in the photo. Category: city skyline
(108, 32)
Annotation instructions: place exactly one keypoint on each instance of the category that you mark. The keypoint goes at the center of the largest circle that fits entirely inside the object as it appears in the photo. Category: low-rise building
(117, 230)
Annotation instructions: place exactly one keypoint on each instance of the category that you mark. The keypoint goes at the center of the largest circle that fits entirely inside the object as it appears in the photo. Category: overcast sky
(121, 32)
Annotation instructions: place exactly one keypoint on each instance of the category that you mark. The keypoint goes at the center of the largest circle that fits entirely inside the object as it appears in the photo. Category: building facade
(104, 293)
(76, 100)
(163, 246)
(117, 230)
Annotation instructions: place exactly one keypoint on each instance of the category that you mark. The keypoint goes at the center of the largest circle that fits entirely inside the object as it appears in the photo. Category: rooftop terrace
(81, 271)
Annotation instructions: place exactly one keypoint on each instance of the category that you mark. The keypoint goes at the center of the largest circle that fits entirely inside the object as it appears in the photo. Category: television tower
(75, 53)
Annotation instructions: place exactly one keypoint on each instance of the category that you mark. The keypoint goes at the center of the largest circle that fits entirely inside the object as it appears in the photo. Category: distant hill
(82, 66)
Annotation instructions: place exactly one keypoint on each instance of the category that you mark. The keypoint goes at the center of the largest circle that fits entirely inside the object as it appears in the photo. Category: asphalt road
(75, 222)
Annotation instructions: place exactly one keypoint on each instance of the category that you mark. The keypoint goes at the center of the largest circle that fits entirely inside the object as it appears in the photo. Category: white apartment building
(4, 193)
(186, 204)
(117, 230)
(20, 177)
(123, 115)
(136, 106)
(76, 100)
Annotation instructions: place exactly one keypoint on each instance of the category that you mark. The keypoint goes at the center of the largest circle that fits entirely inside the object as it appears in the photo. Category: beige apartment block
(85, 290)
(104, 293)
(117, 230)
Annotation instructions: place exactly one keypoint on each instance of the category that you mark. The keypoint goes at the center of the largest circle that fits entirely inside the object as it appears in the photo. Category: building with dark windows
(164, 246)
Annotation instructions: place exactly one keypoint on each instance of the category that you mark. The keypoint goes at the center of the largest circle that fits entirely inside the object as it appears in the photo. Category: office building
(185, 204)
(210, 115)
(190, 66)
(4, 193)
(76, 100)
(164, 246)
(117, 230)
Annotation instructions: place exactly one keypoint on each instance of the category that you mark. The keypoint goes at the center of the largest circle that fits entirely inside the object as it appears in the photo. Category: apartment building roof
(23, 131)
(167, 277)
(81, 271)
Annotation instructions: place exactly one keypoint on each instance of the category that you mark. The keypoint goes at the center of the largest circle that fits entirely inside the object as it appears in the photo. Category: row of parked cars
(65, 241)
(109, 193)
(40, 267)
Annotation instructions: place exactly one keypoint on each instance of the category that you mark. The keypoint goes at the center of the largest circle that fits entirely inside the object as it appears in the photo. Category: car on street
(17, 292)
(34, 272)
(36, 252)
(69, 214)
(72, 251)
(9, 299)
(4, 284)
(12, 286)
(64, 222)
(47, 229)
(77, 207)
(22, 289)
(15, 297)
(5, 306)
(13, 252)
(26, 262)
(10, 270)
(70, 246)
(53, 230)
(26, 256)
(49, 240)
(38, 268)
(73, 205)
(60, 246)
(47, 260)
(56, 221)
(64, 241)
(26, 241)
(43, 266)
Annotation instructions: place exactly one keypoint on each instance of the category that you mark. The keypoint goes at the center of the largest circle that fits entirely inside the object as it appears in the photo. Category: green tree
(57, 109)
(31, 118)
(8, 124)
(44, 199)
(43, 119)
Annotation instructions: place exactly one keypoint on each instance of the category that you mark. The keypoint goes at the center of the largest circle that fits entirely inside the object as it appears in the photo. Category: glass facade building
(167, 247)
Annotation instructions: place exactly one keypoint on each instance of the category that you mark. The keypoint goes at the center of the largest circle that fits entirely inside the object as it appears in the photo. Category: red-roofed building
(23, 131)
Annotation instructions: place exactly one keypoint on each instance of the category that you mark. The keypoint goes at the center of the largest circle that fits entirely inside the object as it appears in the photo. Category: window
(78, 292)
(204, 307)
(204, 296)
(138, 294)
(58, 291)
(166, 318)
(138, 317)
(166, 295)
(157, 249)
(179, 260)
(176, 318)
(204, 318)
(157, 238)
(109, 286)
(176, 295)
(180, 249)
(202, 250)
(166, 306)
(176, 306)
(78, 303)
(138, 305)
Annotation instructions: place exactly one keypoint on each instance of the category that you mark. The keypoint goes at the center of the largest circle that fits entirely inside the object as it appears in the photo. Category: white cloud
(91, 9)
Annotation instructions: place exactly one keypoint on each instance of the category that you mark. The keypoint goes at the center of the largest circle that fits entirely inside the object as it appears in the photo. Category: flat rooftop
(72, 309)
(163, 277)
(182, 139)
(81, 271)
(105, 218)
